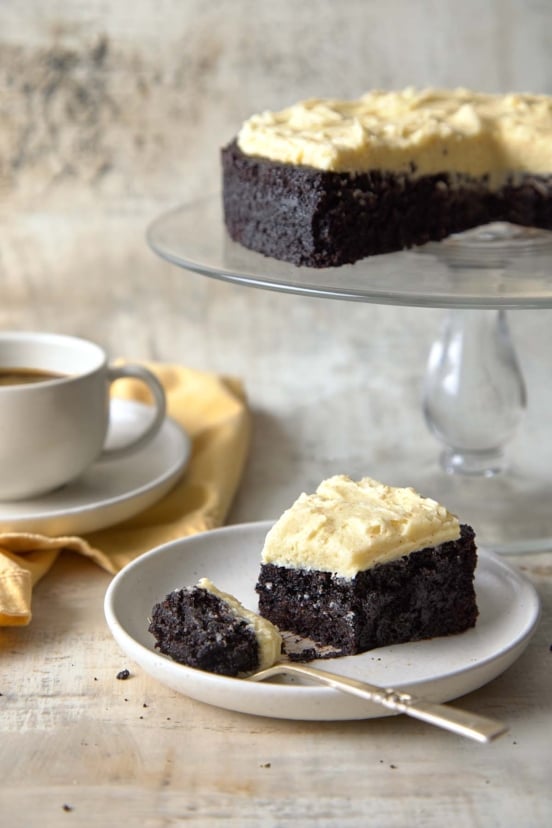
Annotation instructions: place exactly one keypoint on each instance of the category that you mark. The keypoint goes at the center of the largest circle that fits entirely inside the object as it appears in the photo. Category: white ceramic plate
(440, 669)
(110, 491)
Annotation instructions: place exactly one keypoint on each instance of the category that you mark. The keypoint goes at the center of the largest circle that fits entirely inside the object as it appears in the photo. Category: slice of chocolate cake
(362, 565)
(208, 629)
(326, 182)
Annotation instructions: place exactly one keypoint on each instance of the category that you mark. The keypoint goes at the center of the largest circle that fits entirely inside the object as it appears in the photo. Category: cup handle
(160, 403)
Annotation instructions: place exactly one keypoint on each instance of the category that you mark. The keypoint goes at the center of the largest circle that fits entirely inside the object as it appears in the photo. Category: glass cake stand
(474, 392)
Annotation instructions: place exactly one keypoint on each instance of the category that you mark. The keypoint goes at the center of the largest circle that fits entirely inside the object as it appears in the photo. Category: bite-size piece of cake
(326, 181)
(203, 627)
(359, 565)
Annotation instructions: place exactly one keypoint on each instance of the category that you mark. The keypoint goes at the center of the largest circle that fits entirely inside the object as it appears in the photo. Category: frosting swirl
(419, 132)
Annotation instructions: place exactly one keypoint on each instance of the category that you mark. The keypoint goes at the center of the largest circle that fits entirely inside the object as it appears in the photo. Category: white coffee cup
(53, 425)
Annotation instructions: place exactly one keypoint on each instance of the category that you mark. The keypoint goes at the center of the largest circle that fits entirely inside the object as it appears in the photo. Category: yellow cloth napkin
(213, 411)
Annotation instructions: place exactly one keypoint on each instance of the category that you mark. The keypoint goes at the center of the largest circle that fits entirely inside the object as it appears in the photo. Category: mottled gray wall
(131, 99)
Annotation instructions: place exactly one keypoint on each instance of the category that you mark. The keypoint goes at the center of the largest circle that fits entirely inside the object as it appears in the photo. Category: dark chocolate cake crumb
(195, 627)
(300, 649)
(302, 656)
(122, 675)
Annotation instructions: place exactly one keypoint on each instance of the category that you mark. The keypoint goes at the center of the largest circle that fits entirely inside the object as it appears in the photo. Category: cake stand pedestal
(474, 393)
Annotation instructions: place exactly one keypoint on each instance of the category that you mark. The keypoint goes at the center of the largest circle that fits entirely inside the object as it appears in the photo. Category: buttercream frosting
(346, 527)
(418, 132)
(268, 636)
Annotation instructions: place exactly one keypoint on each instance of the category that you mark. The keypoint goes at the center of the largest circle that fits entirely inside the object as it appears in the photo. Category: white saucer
(439, 669)
(110, 491)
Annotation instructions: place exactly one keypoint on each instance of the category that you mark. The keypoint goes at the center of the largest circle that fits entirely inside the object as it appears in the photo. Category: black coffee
(26, 376)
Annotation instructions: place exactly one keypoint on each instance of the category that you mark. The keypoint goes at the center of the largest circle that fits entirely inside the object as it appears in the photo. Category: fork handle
(462, 722)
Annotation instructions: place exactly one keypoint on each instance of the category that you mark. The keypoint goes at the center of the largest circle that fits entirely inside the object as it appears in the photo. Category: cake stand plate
(474, 394)
(193, 236)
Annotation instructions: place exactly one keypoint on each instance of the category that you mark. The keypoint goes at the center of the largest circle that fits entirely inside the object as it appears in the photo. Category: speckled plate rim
(440, 669)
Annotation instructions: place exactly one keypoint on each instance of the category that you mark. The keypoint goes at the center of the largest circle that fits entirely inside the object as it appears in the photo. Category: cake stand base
(475, 400)
(474, 394)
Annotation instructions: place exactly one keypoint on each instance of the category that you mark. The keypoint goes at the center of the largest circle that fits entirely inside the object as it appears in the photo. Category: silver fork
(462, 722)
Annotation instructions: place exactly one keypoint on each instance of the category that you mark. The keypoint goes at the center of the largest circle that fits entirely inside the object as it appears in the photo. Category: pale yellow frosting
(436, 130)
(346, 527)
(268, 636)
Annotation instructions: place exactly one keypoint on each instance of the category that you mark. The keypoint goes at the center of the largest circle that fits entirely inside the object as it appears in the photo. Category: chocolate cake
(362, 565)
(326, 182)
(202, 627)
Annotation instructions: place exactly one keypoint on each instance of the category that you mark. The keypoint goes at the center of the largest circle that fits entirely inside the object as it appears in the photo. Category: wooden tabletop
(81, 746)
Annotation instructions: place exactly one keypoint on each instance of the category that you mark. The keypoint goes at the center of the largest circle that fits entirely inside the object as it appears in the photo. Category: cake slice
(326, 181)
(211, 630)
(359, 565)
